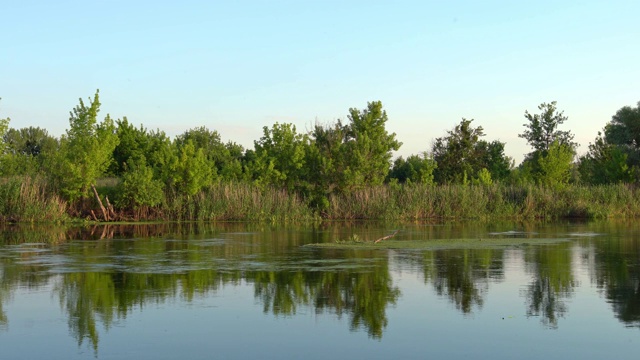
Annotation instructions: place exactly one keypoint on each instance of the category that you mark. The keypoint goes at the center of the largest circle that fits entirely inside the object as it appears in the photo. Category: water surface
(238, 291)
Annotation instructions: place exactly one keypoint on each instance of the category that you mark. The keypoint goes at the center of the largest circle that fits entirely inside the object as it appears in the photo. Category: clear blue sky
(236, 66)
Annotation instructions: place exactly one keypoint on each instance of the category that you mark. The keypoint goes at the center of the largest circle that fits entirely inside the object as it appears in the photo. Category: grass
(25, 199)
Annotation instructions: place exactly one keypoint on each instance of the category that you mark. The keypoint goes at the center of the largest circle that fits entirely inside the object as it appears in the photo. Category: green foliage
(192, 171)
(280, 157)
(605, 163)
(27, 151)
(461, 155)
(326, 161)
(483, 177)
(26, 199)
(555, 165)
(85, 151)
(138, 188)
(542, 129)
(225, 159)
(415, 169)
(368, 146)
(134, 143)
(4, 126)
(623, 132)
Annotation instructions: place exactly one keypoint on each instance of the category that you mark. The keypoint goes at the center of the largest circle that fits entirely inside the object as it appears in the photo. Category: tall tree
(542, 129)
(4, 126)
(27, 150)
(623, 131)
(461, 156)
(86, 149)
(369, 146)
(551, 160)
(417, 169)
(280, 156)
(604, 163)
(133, 145)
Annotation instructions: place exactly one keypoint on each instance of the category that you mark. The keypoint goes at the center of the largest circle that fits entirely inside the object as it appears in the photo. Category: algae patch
(436, 244)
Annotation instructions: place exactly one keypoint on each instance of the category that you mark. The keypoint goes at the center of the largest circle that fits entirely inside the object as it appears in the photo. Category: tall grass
(414, 202)
(29, 200)
(239, 202)
(26, 199)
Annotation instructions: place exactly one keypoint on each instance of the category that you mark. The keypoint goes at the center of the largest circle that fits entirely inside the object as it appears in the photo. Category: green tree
(85, 150)
(461, 155)
(280, 157)
(542, 129)
(326, 163)
(604, 163)
(191, 171)
(27, 150)
(623, 131)
(547, 142)
(4, 126)
(133, 144)
(368, 146)
(555, 165)
(138, 187)
(415, 169)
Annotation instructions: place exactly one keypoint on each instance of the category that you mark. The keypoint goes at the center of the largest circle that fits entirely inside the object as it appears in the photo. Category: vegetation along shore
(111, 170)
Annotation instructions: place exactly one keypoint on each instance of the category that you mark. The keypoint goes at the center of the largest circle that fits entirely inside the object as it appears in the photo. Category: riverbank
(31, 200)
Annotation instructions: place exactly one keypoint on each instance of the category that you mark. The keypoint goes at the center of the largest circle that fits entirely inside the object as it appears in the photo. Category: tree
(326, 162)
(138, 187)
(85, 150)
(462, 155)
(547, 141)
(555, 165)
(416, 169)
(191, 171)
(455, 154)
(623, 131)
(369, 146)
(133, 144)
(4, 126)
(542, 129)
(280, 157)
(604, 163)
(27, 150)
(224, 158)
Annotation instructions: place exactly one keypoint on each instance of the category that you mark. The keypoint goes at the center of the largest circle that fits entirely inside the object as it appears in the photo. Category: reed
(26, 199)
(239, 202)
(414, 202)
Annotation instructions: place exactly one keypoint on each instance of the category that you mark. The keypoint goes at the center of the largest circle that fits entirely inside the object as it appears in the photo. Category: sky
(237, 66)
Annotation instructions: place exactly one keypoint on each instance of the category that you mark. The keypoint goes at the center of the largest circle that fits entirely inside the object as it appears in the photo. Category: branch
(386, 237)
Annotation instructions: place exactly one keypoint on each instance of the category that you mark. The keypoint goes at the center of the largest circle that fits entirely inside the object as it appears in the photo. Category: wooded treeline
(142, 173)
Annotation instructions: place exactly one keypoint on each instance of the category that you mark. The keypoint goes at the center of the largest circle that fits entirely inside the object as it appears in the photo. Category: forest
(103, 169)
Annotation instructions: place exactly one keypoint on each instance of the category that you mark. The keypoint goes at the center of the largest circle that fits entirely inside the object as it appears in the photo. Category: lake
(501, 290)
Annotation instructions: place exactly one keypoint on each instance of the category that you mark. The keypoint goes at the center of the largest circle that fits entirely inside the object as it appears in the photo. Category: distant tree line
(330, 159)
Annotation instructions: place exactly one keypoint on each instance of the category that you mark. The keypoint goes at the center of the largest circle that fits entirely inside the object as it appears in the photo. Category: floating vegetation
(436, 244)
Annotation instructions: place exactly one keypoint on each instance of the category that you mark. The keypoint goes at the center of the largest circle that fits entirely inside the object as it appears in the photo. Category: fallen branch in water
(386, 237)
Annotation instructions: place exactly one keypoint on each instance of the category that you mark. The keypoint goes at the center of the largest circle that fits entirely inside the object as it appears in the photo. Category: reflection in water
(553, 282)
(618, 274)
(116, 269)
(463, 274)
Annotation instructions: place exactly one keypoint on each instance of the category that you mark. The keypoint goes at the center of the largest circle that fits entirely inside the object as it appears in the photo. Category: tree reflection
(463, 274)
(99, 280)
(618, 275)
(553, 282)
(362, 294)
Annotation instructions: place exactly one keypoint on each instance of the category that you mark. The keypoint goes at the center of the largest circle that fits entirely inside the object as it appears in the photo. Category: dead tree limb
(386, 237)
(102, 208)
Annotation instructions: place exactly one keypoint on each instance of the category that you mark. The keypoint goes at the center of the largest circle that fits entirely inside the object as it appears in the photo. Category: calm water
(242, 291)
